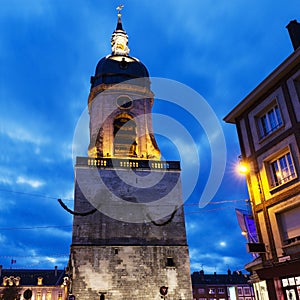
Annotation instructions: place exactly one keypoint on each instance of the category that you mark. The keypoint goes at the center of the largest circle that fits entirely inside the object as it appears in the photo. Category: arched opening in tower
(125, 144)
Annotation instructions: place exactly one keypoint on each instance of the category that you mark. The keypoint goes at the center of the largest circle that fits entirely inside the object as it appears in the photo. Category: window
(221, 291)
(282, 170)
(124, 136)
(247, 291)
(124, 102)
(102, 296)
(240, 291)
(170, 262)
(297, 87)
(212, 291)
(269, 122)
(48, 297)
(201, 291)
(289, 224)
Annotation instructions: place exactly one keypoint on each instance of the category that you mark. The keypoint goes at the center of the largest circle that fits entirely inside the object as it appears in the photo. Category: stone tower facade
(129, 237)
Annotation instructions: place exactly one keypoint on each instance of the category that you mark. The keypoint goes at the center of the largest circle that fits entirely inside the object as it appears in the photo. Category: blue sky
(48, 51)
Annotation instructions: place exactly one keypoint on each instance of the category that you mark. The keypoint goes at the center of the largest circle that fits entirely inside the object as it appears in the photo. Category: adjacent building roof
(29, 277)
(272, 79)
(234, 278)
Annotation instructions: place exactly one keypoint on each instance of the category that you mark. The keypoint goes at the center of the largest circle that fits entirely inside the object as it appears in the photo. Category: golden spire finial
(119, 8)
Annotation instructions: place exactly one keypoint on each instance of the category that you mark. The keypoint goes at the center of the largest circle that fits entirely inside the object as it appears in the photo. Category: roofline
(279, 72)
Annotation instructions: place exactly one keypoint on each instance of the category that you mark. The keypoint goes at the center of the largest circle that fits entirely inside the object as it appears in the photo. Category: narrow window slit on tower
(170, 262)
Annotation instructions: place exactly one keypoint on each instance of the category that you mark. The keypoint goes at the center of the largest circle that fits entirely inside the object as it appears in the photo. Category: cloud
(34, 183)
(192, 227)
(19, 133)
(2, 239)
(25, 10)
(5, 180)
(213, 262)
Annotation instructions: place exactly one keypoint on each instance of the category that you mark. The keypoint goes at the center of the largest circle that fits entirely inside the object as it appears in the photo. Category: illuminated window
(40, 281)
(269, 121)
(124, 136)
(48, 297)
(39, 295)
(212, 291)
(282, 169)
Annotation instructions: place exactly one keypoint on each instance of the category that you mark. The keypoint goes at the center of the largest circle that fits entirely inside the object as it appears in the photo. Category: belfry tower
(129, 237)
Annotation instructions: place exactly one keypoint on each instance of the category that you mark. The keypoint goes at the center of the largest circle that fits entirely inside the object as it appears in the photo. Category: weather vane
(119, 8)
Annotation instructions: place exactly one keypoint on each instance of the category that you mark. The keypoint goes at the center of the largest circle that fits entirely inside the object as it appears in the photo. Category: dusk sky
(48, 51)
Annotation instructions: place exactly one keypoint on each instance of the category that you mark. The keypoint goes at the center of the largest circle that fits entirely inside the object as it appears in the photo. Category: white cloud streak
(34, 183)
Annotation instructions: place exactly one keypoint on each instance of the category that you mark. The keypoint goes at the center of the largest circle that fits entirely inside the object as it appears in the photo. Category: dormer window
(40, 281)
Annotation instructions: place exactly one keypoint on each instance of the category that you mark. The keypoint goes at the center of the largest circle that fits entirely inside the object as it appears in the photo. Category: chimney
(294, 31)
(55, 271)
(201, 275)
(0, 270)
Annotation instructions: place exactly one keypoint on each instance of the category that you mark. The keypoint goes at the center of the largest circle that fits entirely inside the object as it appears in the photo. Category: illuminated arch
(125, 136)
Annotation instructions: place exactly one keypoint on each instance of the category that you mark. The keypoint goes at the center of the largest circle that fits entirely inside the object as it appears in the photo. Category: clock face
(124, 102)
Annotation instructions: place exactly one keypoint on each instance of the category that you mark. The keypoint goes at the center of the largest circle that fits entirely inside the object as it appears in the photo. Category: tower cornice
(139, 91)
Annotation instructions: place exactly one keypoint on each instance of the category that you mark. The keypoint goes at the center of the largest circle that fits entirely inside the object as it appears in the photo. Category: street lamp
(242, 167)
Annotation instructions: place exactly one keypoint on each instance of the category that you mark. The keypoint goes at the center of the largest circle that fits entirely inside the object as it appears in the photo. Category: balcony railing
(120, 163)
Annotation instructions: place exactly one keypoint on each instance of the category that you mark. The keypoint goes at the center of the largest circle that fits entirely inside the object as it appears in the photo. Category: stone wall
(130, 273)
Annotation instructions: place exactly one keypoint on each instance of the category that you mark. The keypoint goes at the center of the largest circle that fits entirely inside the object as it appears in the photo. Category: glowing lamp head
(243, 168)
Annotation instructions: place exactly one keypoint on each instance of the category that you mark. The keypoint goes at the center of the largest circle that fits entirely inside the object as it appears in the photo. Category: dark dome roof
(117, 68)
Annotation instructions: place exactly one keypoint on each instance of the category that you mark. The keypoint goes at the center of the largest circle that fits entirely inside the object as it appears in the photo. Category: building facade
(232, 285)
(268, 126)
(129, 237)
(38, 284)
